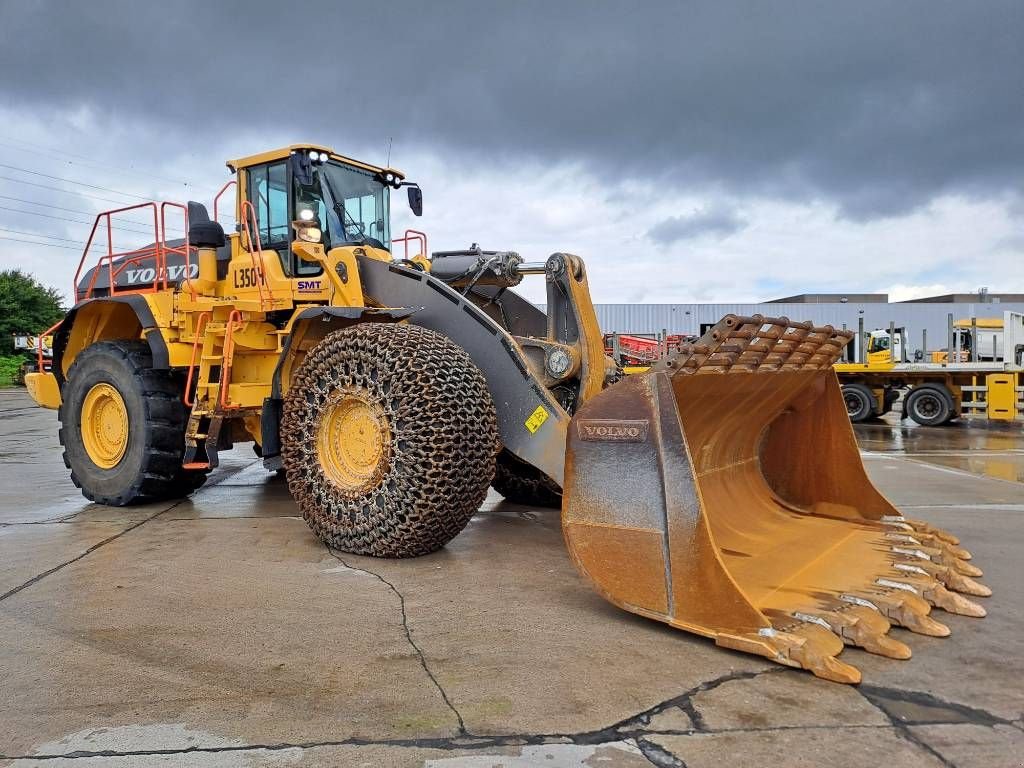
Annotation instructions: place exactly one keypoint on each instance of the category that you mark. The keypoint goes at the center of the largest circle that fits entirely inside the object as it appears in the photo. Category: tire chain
(441, 455)
(522, 483)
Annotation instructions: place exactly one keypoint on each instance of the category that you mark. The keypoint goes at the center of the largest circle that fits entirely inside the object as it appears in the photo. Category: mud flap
(723, 493)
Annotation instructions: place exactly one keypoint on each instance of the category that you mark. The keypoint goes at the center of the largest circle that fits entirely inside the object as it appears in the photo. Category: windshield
(350, 204)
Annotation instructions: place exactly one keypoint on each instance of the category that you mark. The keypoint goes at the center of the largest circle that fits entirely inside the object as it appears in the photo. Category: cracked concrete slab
(673, 719)
(799, 748)
(586, 663)
(617, 754)
(228, 624)
(975, 746)
(782, 700)
(31, 549)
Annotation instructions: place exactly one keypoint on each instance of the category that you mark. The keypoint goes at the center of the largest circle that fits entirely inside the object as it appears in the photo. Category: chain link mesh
(439, 462)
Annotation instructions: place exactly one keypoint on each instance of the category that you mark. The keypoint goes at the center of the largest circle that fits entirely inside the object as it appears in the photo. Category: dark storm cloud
(877, 106)
(717, 220)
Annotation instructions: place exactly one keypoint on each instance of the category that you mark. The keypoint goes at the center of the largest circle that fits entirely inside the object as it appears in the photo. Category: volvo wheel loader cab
(721, 492)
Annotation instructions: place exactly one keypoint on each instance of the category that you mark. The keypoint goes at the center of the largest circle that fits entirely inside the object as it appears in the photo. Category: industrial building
(926, 322)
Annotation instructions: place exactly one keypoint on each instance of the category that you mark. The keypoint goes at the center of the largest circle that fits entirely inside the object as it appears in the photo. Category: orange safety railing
(250, 225)
(39, 343)
(412, 235)
(129, 257)
(201, 321)
(228, 353)
(118, 261)
(216, 200)
(182, 250)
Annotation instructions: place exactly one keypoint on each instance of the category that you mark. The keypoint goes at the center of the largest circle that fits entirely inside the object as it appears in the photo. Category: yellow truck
(984, 378)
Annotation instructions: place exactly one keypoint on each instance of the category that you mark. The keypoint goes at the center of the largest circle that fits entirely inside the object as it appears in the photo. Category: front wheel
(388, 439)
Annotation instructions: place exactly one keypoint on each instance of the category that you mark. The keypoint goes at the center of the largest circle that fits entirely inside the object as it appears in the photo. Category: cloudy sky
(689, 151)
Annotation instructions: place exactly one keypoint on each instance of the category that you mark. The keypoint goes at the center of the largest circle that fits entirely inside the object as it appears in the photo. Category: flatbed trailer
(933, 393)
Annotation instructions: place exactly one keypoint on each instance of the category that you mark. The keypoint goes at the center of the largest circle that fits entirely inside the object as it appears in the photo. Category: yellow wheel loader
(721, 492)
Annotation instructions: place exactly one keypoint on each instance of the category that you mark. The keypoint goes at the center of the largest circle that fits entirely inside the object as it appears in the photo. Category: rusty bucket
(723, 493)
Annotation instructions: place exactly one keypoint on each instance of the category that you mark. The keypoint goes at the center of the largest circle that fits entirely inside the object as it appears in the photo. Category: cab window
(268, 193)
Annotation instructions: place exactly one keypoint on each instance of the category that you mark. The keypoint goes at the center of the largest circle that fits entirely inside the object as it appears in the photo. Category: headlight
(308, 231)
(310, 234)
(306, 214)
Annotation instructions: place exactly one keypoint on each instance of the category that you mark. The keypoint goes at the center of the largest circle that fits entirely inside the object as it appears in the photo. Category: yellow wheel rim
(104, 426)
(353, 442)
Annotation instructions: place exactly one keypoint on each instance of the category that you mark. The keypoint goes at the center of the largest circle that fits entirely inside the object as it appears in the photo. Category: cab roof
(283, 152)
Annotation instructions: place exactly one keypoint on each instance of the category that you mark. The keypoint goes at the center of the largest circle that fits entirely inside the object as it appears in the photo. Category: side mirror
(302, 168)
(416, 200)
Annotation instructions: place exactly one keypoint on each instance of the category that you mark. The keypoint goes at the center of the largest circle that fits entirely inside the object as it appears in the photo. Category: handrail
(183, 249)
(39, 342)
(129, 258)
(201, 321)
(227, 358)
(250, 225)
(217, 198)
(412, 234)
(160, 266)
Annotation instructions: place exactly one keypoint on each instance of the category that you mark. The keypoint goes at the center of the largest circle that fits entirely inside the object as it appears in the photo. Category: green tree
(26, 306)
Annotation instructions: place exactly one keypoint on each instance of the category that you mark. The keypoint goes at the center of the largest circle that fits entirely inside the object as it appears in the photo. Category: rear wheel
(388, 439)
(929, 406)
(860, 402)
(123, 427)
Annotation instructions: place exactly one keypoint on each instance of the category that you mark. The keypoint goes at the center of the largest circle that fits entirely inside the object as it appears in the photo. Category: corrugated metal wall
(688, 318)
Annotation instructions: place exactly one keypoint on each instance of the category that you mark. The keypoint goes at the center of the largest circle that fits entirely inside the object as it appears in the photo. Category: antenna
(388, 163)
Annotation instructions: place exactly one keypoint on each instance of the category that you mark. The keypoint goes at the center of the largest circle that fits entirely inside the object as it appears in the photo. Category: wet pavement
(217, 631)
(978, 447)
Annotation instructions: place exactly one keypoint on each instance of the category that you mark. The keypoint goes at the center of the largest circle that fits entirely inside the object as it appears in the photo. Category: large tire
(389, 437)
(135, 455)
(930, 405)
(522, 483)
(860, 402)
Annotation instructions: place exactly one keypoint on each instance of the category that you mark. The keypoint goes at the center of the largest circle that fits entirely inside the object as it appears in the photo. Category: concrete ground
(217, 631)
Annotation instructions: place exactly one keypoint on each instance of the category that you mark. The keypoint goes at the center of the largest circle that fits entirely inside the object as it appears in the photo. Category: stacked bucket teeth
(723, 493)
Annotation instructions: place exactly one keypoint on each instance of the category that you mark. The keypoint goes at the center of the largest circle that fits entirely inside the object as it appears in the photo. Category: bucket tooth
(862, 627)
(905, 534)
(939, 557)
(812, 647)
(936, 594)
(943, 556)
(903, 608)
(922, 527)
(950, 577)
(965, 584)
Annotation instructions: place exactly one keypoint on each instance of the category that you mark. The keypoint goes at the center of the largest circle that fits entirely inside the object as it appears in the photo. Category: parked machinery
(983, 377)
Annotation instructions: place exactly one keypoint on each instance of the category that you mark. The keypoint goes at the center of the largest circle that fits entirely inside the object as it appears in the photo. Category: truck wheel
(522, 483)
(929, 405)
(123, 427)
(389, 438)
(860, 402)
